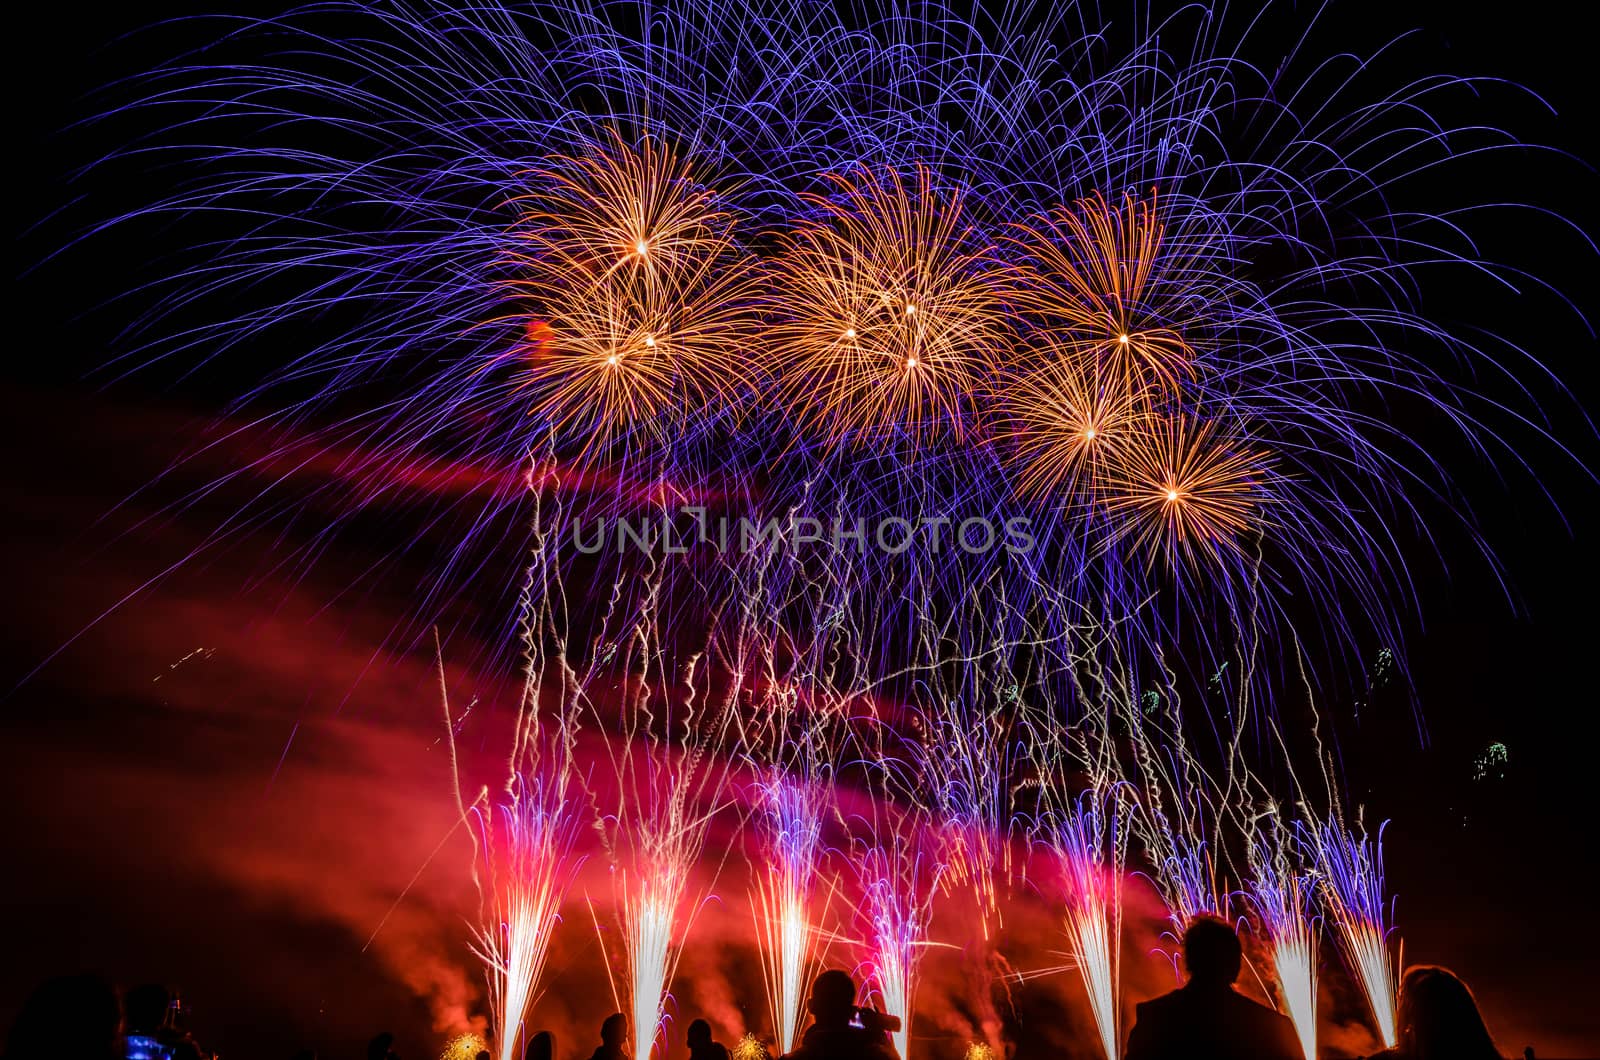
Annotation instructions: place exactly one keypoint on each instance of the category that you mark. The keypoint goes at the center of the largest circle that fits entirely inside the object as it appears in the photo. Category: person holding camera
(839, 1029)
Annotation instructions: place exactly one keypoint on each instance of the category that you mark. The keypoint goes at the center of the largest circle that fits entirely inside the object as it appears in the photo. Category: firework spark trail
(1176, 813)
(1088, 839)
(1350, 863)
(1282, 898)
(526, 837)
(784, 915)
(799, 658)
(898, 869)
(898, 901)
(682, 687)
(528, 844)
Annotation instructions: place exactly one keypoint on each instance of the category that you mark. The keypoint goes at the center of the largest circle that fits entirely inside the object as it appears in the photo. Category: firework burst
(640, 298)
(890, 310)
(1182, 493)
(1090, 272)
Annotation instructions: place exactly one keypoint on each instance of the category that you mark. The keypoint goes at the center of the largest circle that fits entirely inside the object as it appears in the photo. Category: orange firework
(889, 311)
(641, 298)
(1180, 491)
(1090, 268)
(1067, 417)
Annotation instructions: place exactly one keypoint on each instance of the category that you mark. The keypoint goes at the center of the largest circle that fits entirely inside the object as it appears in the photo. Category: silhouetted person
(701, 1045)
(483, 1054)
(1437, 1019)
(541, 1046)
(613, 1036)
(831, 1035)
(75, 1015)
(144, 1009)
(1206, 1019)
(382, 1047)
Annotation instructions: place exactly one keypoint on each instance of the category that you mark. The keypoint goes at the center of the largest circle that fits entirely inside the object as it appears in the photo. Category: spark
(1088, 840)
(1183, 493)
(880, 238)
(1067, 418)
(899, 875)
(1090, 271)
(686, 279)
(1351, 866)
(784, 898)
(1281, 897)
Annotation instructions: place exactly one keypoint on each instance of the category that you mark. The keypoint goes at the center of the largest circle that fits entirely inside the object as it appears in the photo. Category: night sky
(216, 776)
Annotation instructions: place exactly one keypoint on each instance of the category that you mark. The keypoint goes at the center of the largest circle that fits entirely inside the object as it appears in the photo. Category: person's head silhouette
(381, 1047)
(1439, 1018)
(833, 999)
(614, 1031)
(145, 1008)
(699, 1034)
(541, 1046)
(1211, 952)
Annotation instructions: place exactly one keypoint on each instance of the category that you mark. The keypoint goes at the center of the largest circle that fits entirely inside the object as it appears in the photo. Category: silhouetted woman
(1438, 1019)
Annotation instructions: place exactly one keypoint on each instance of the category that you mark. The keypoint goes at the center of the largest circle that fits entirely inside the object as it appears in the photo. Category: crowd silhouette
(83, 1016)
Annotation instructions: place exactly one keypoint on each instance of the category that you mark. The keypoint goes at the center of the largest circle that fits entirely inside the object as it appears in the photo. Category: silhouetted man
(613, 1035)
(702, 1046)
(1207, 1019)
(831, 1036)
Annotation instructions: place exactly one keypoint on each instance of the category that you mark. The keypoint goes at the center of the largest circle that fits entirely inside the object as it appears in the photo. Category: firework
(639, 295)
(1351, 867)
(1090, 273)
(749, 1047)
(527, 844)
(558, 231)
(1282, 900)
(1069, 418)
(667, 740)
(525, 851)
(784, 917)
(1182, 493)
(1088, 841)
(898, 872)
(890, 310)
(464, 1047)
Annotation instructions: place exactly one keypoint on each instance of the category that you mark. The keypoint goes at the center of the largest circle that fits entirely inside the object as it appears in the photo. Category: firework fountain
(1350, 864)
(1088, 838)
(1281, 895)
(800, 654)
(525, 849)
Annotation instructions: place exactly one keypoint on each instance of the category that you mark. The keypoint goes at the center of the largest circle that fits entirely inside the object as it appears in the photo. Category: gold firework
(889, 312)
(1066, 418)
(1180, 492)
(1090, 269)
(640, 297)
